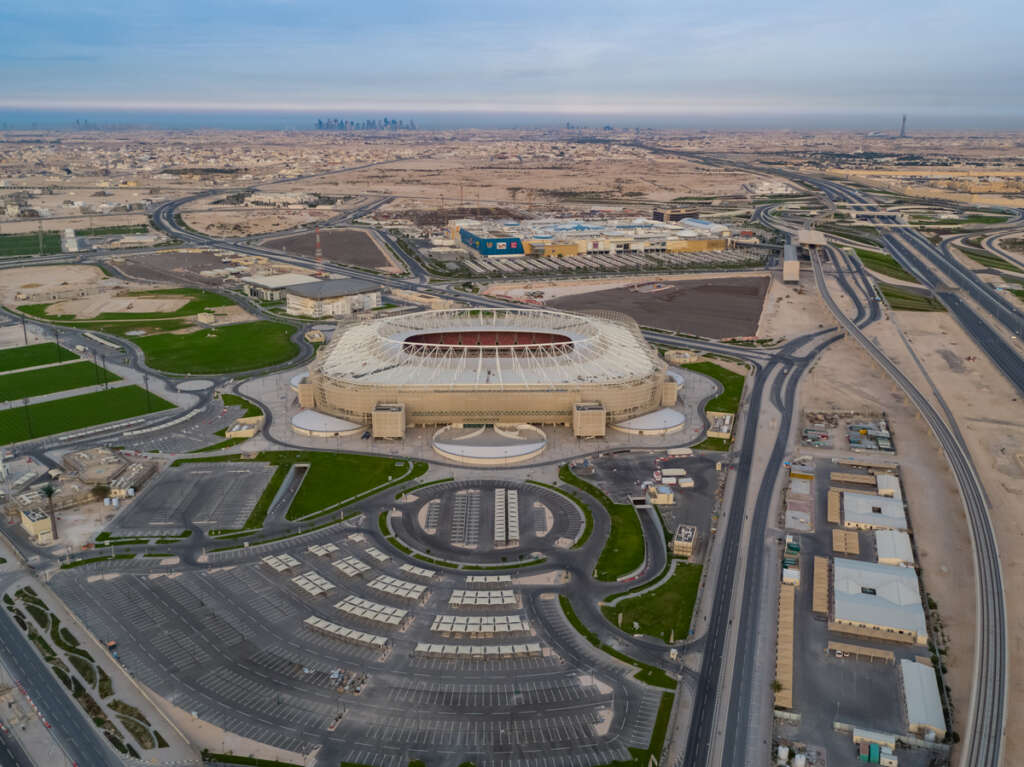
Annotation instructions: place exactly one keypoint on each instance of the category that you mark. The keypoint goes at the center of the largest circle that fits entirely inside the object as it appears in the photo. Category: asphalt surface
(76, 734)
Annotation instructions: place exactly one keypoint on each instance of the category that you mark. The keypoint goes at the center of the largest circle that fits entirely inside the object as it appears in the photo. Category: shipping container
(673, 472)
(875, 753)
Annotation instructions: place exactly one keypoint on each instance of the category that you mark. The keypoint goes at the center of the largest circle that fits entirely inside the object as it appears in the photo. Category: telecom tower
(319, 254)
(903, 127)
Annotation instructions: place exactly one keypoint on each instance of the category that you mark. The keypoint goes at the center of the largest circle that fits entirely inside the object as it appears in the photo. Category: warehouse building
(921, 700)
(867, 511)
(879, 601)
(331, 298)
(893, 548)
(271, 287)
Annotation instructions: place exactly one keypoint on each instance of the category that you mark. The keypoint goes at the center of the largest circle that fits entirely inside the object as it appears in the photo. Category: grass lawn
(664, 610)
(905, 300)
(72, 413)
(624, 550)
(647, 674)
(32, 355)
(732, 386)
(28, 244)
(885, 264)
(250, 408)
(99, 231)
(331, 479)
(32, 383)
(227, 349)
(990, 260)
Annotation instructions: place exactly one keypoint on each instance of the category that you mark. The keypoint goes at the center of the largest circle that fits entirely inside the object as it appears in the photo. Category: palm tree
(48, 491)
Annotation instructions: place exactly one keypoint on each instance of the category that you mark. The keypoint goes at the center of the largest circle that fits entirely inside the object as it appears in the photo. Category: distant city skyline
(602, 58)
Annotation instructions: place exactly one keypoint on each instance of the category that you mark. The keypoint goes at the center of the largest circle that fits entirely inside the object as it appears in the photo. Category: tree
(48, 491)
(99, 492)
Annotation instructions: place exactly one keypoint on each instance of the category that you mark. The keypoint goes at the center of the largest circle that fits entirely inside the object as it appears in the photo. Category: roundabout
(487, 522)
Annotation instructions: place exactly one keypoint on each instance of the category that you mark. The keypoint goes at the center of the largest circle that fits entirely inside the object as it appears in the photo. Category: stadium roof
(507, 348)
(347, 286)
(878, 595)
(273, 281)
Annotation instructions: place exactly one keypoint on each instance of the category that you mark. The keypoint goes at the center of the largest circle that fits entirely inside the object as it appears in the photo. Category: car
(366, 435)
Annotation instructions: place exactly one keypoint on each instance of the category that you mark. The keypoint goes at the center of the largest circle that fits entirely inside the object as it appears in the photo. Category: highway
(983, 737)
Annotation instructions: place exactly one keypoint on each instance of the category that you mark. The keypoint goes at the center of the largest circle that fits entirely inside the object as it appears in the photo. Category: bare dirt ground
(37, 279)
(845, 378)
(241, 223)
(87, 308)
(557, 288)
(171, 266)
(792, 310)
(714, 308)
(352, 247)
(533, 173)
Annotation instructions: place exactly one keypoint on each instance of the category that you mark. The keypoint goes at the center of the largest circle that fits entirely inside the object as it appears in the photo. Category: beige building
(489, 366)
(684, 541)
(331, 298)
(37, 524)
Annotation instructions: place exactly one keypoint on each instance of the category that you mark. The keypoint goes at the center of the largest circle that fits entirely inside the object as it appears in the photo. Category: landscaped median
(665, 611)
(648, 674)
(332, 481)
(623, 552)
(727, 401)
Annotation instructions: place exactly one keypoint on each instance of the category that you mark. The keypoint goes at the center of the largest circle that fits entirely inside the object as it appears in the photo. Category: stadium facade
(489, 366)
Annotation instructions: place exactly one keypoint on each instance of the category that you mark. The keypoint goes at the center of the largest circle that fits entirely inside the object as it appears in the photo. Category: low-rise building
(332, 298)
(867, 511)
(921, 700)
(893, 548)
(271, 287)
(879, 601)
(37, 524)
(684, 541)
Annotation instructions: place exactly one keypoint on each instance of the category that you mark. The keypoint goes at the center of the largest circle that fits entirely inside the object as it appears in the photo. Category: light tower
(903, 127)
(318, 252)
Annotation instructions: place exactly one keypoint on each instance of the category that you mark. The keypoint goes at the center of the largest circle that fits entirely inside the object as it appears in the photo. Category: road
(78, 737)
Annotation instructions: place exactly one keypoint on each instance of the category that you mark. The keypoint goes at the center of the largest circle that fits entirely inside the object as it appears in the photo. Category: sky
(682, 57)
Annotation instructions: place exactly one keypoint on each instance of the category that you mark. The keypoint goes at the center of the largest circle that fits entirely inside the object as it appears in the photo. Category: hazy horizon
(531, 57)
(107, 118)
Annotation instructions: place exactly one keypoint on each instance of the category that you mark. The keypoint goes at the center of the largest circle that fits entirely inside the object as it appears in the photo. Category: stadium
(468, 368)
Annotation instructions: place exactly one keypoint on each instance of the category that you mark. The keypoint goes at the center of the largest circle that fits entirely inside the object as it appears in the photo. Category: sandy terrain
(721, 308)
(533, 173)
(26, 225)
(33, 279)
(792, 310)
(240, 223)
(87, 308)
(173, 266)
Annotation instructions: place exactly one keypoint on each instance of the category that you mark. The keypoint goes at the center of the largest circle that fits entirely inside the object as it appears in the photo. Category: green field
(99, 231)
(331, 479)
(885, 264)
(990, 260)
(227, 349)
(664, 612)
(70, 413)
(900, 299)
(33, 383)
(251, 409)
(32, 355)
(28, 244)
(732, 386)
(623, 552)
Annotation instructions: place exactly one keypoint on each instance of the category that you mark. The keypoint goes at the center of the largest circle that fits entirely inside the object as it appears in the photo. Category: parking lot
(214, 495)
(230, 644)
(622, 474)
